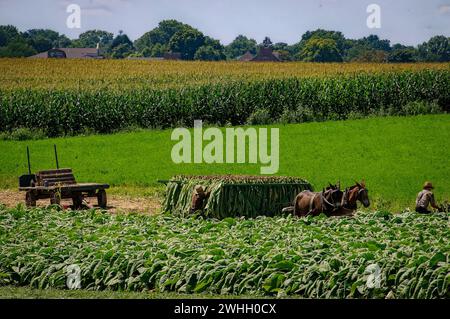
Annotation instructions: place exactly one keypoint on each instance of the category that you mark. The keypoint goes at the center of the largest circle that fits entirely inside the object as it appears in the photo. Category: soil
(116, 203)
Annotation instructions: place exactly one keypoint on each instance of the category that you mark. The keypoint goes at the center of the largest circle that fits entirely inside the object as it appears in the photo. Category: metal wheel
(30, 199)
(101, 198)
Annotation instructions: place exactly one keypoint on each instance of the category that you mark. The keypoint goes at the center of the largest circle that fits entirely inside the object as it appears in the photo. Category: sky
(409, 22)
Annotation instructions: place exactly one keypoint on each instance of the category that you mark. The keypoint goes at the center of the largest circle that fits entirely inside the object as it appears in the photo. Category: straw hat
(198, 189)
(428, 185)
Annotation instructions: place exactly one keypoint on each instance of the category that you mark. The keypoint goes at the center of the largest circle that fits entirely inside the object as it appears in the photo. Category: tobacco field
(373, 255)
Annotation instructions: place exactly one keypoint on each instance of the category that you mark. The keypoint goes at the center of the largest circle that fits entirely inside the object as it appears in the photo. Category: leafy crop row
(311, 257)
(73, 111)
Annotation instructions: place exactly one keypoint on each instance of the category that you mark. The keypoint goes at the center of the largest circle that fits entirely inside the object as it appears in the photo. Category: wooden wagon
(57, 184)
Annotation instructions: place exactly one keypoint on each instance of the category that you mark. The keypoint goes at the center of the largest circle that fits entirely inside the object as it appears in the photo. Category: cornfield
(373, 255)
(72, 97)
(232, 196)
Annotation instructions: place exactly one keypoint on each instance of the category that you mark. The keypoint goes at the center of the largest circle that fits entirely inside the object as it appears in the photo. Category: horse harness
(323, 200)
(345, 199)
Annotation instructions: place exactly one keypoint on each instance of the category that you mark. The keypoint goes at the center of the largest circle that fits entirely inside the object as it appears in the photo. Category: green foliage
(374, 56)
(437, 49)
(22, 134)
(17, 48)
(187, 42)
(44, 39)
(208, 53)
(421, 107)
(311, 258)
(336, 36)
(160, 35)
(260, 117)
(402, 54)
(300, 115)
(121, 51)
(8, 33)
(121, 39)
(89, 39)
(234, 196)
(240, 46)
(375, 43)
(320, 50)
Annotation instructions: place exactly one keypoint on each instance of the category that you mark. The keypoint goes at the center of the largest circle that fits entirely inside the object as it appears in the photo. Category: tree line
(174, 36)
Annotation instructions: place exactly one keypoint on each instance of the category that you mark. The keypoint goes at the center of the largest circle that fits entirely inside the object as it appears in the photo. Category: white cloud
(95, 7)
(444, 8)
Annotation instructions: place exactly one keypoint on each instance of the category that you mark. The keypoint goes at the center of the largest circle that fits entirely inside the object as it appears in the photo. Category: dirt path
(116, 203)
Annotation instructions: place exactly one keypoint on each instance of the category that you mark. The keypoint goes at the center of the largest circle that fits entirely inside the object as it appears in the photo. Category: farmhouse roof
(266, 54)
(172, 56)
(73, 53)
(246, 57)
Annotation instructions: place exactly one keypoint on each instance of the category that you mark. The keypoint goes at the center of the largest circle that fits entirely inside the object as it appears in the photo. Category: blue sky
(404, 21)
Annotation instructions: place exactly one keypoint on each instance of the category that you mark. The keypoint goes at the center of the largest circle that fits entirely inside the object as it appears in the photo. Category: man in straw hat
(198, 198)
(425, 198)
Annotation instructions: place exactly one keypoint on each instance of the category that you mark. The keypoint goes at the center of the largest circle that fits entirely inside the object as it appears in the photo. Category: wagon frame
(57, 184)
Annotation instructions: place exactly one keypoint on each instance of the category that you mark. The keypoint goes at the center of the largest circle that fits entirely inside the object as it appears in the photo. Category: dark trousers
(422, 210)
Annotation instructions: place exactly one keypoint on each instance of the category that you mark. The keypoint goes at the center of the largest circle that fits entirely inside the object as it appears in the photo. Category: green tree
(8, 33)
(120, 39)
(17, 48)
(121, 51)
(160, 35)
(240, 46)
(187, 42)
(283, 55)
(158, 50)
(370, 55)
(375, 43)
(280, 46)
(402, 54)
(43, 39)
(336, 36)
(437, 49)
(121, 46)
(3, 38)
(320, 50)
(90, 38)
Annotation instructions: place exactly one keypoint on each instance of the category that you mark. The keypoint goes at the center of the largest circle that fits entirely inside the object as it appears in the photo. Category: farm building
(246, 57)
(264, 54)
(172, 56)
(70, 53)
(232, 196)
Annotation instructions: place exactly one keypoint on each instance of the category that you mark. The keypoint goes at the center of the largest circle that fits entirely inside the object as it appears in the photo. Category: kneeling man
(425, 198)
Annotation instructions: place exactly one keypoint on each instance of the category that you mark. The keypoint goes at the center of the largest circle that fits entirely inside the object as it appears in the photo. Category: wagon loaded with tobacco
(233, 195)
(57, 184)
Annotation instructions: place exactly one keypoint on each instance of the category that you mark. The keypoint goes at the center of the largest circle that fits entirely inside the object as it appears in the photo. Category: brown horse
(352, 194)
(314, 203)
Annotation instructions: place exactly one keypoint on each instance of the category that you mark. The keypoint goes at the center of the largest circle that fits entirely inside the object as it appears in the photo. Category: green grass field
(395, 155)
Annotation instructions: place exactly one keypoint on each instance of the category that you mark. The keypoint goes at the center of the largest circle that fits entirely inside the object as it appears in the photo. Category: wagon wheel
(55, 198)
(30, 199)
(77, 201)
(101, 198)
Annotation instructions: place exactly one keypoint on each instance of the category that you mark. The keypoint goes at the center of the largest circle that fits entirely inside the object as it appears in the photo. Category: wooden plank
(76, 187)
(56, 171)
(58, 179)
(55, 175)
